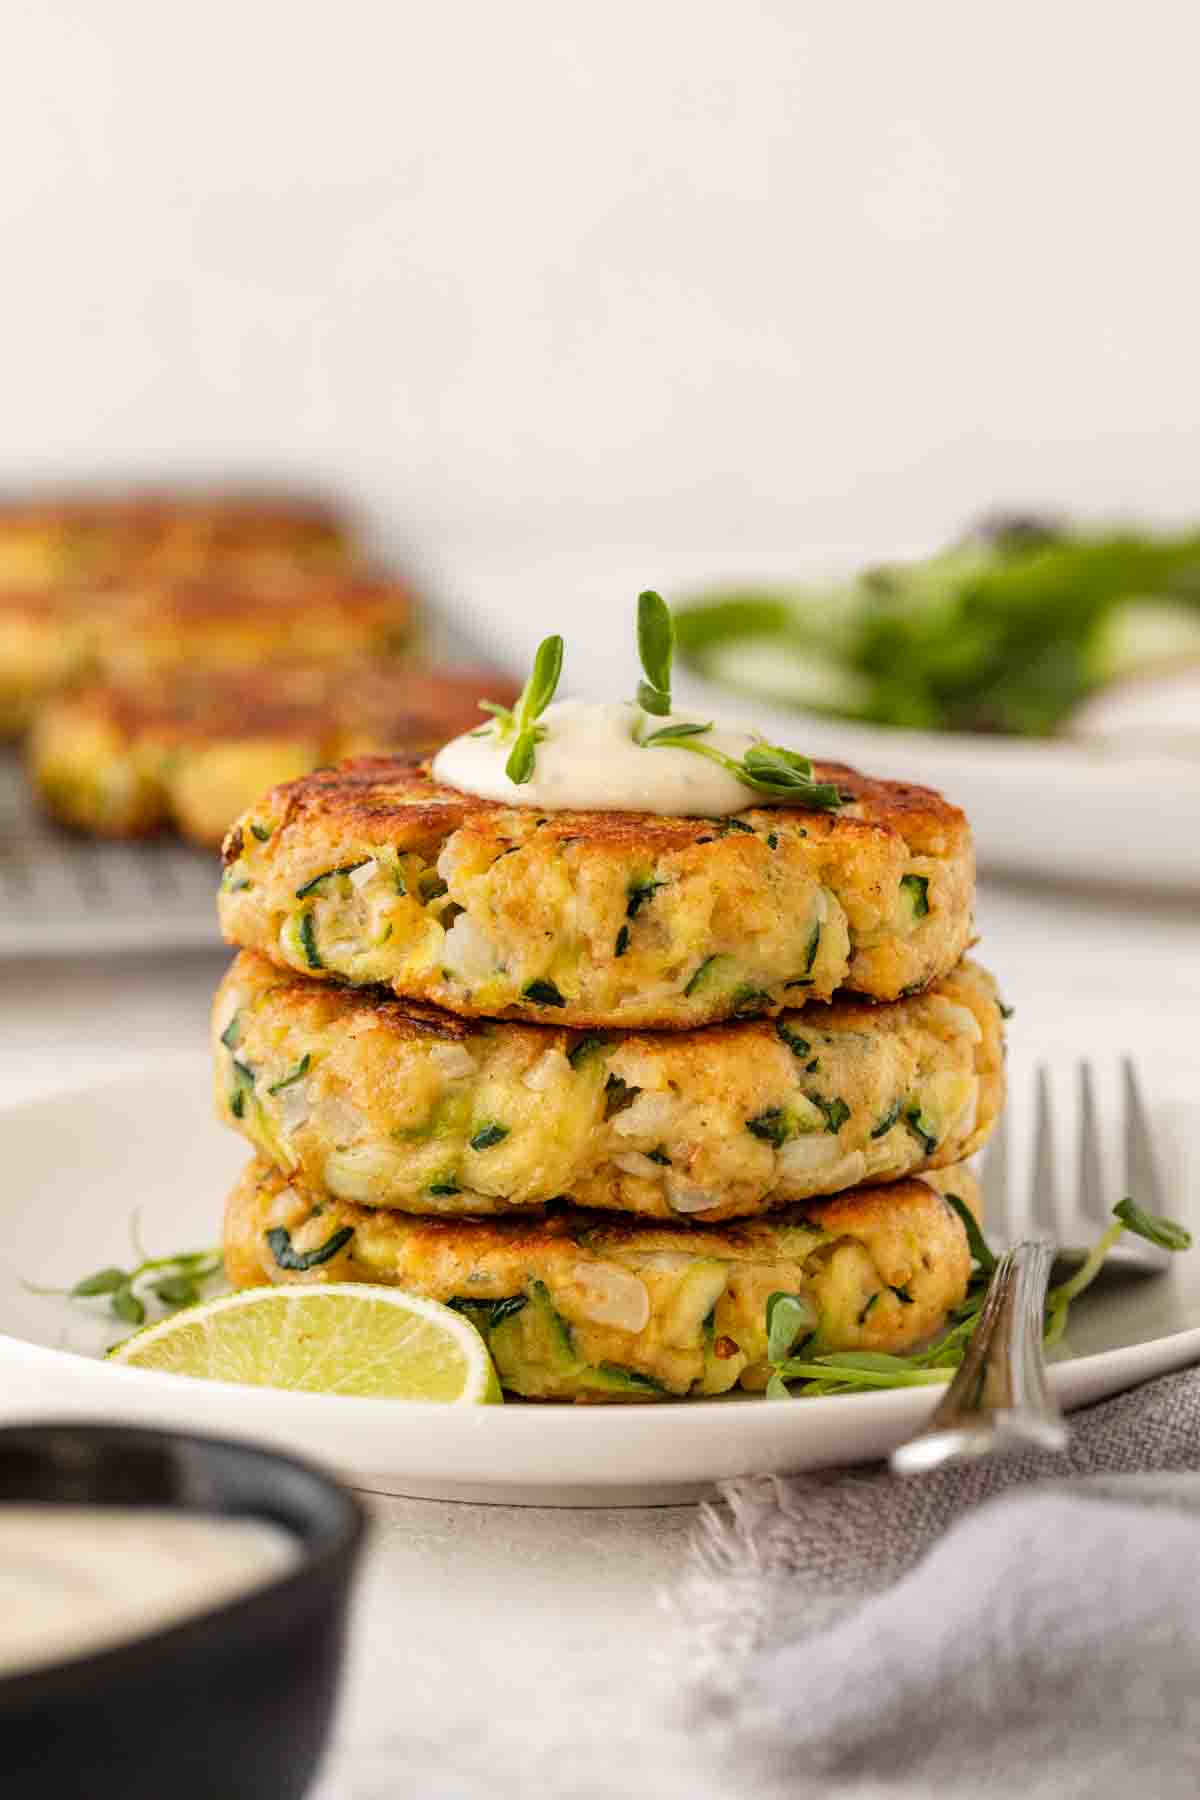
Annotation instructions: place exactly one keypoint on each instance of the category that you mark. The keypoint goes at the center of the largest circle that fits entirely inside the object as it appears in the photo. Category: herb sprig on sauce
(520, 722)
(764, 768)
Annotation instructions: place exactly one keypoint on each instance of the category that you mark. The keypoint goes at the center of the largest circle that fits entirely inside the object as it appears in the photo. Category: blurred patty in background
(96, 585)
(190, 748)
(173, 655)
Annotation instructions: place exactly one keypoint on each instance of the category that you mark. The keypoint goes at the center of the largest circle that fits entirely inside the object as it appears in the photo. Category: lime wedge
(344, 1338)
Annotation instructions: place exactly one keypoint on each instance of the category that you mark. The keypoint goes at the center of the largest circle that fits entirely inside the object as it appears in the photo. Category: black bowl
(234, 1702)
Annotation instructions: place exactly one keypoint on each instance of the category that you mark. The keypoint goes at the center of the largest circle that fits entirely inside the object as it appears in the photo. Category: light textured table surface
(503, 1651)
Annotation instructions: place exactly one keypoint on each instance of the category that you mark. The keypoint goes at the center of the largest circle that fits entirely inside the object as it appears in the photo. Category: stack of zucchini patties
(608, 1081)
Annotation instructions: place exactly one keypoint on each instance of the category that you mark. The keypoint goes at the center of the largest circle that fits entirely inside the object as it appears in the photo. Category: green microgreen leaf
(535, 697)
(104, 1281)
(656, 648)
(981, 1251)
(765, 768)
(176, 1280)
(789, 1316)
(126, 1305)
(856, 1371)
(1166, 1233)
(176, 1290)
(671, 734)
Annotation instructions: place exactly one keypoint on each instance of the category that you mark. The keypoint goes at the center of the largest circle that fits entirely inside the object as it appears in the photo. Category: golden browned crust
(360, 1095)
(882, 1267)
(756, 913)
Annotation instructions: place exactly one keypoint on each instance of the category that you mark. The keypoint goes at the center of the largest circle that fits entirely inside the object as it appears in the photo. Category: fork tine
(1141, 1172)
(997, 1214)
(1044, 1195)
(1090, 1190)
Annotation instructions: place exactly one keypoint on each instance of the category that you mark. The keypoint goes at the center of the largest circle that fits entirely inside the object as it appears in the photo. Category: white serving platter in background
(1122, 810)
(79, 1165)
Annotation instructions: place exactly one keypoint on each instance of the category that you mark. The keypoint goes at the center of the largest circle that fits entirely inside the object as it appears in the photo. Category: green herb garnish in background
(1009, 630)
(765, 768)
(173, 1281)
(520, 722)
(861, 1371)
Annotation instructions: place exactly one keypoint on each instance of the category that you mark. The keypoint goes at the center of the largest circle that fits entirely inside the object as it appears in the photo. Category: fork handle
(1000, 1398)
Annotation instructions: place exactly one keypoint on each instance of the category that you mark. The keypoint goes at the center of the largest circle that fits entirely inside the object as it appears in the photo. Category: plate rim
(486, 1430)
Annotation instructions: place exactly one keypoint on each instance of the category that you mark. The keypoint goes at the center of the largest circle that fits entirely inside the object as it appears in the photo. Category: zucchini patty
(395, 1105)
(54, 539)
(599, 919)
(588, 1306)
(60, 556)
(191, 748)
(45, 644)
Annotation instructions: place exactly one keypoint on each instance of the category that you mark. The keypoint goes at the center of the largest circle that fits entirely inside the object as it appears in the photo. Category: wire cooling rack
(65, 893)
(62, 893)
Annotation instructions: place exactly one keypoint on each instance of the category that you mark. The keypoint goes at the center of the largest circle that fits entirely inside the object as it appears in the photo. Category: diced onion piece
(287, 1209)
(809, 1117)
(810, 1155)
(448, 861)
(610, 1295)
(968, 1119)
(648, 1116)
(365, 872)
(454, 1061)
(338, 1119)
(293, 1105)
(957, 1018)
(551, 1066)
(685, 1198)
(632, 1162)
(362, 1172)
(467, 953)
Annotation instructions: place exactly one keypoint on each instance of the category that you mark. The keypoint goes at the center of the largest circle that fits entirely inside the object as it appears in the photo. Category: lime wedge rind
(332, 1338)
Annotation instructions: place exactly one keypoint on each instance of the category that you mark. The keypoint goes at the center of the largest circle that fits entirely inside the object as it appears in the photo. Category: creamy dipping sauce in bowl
(78, 1579)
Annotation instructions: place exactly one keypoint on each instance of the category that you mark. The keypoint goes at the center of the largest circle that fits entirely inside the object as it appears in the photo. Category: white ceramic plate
(78, 1167)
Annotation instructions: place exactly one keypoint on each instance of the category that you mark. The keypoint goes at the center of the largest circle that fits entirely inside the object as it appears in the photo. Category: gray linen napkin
(862, 1635)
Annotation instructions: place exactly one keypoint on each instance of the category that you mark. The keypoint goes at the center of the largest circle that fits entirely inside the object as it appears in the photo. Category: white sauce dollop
(77, 1579)
(589, 762)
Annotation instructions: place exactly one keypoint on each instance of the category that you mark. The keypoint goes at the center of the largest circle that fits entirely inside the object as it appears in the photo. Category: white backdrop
(556, 275)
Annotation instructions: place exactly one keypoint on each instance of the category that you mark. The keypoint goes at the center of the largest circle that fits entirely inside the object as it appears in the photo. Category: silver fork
(1000, 1398)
